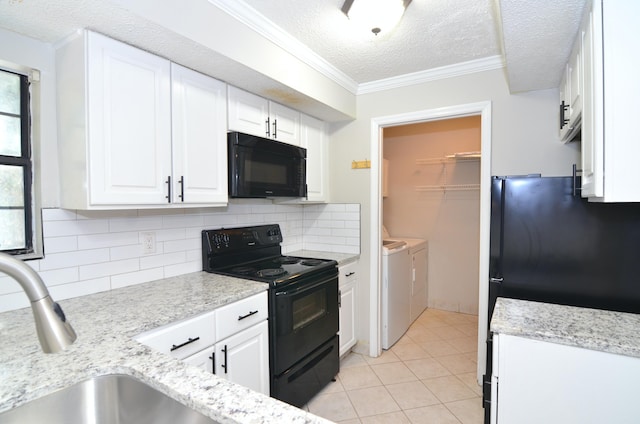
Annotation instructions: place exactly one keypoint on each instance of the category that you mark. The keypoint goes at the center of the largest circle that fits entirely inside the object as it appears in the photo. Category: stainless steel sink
(109, 399)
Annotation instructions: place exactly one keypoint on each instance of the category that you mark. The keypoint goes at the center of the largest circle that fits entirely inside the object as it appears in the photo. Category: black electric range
(303, 305)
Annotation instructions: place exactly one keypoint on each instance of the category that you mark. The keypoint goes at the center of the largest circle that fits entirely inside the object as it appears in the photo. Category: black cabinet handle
(350, 274)
(168, 182)
(275, 128)
(339, 298)
(268, 131)
(213, 361)
(224, 350)
(181, 195)
(563, 108)
(174, 347)
(241, 317)
(576, 171)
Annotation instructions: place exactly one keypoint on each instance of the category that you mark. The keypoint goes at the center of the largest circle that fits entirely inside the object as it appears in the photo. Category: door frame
(483, 109)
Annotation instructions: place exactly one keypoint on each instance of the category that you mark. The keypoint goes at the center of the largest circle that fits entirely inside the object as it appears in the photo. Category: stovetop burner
(243, 270)
(276, 270)
(288, 260)
(255, 253)
(311, 262)
(271, 272)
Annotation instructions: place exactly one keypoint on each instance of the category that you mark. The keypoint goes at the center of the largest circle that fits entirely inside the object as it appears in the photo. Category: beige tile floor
(427, 377)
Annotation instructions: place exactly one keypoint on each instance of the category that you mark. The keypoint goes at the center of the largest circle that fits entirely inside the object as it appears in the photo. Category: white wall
(89, 252)
(524, 140)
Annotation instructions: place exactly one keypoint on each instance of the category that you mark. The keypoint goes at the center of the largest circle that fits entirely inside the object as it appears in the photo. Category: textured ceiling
(431, 34)
(534, 36)
(538, 36)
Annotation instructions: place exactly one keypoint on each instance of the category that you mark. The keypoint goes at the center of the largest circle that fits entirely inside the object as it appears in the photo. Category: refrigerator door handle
(496, 280)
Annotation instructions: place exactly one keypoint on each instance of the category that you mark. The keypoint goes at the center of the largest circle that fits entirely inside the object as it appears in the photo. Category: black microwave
(260, 167)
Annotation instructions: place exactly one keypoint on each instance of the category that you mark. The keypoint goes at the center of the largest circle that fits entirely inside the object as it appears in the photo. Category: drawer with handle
(183, 338)
(242, 314)
(347, 273)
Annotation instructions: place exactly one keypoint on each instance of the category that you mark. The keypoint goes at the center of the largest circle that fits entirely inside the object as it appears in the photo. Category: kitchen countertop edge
(340, 258)
(594, 329)
(106, 322)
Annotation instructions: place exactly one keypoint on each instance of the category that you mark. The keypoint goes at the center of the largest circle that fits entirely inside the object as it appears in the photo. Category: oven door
(305, 315)
(260, 167)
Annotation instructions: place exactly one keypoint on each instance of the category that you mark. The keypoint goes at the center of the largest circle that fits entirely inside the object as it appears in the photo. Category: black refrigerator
(550, 245)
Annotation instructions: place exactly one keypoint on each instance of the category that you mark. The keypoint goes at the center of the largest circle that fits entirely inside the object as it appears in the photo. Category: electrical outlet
(148, 242)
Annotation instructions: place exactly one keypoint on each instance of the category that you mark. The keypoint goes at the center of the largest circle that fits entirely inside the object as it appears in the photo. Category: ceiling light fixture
(375, 15)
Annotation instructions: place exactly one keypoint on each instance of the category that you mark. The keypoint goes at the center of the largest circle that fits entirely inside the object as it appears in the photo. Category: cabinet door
(129, 130)
(199, 110)
(565, 96)
(419, 284)
(542, 382)
(204, 359)
(592, 133)
(347, 332)
(248, 113)
(314, 140)
(347, 280)
(285, 124)
(575, 78)
(244, 358)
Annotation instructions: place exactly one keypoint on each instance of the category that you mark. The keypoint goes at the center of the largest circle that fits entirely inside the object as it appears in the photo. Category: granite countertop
(595, 329)
(341, 258)
(106, 322)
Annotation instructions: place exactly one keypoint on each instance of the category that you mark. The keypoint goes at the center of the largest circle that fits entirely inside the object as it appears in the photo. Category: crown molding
(257, 22)
(266, 28)
(449, 71)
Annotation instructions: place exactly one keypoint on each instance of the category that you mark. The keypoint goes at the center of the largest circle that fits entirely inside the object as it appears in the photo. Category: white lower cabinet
(537, 382)
(244, 358)
(231, 342)
(184, 338)
(204, 359)
(347, 287)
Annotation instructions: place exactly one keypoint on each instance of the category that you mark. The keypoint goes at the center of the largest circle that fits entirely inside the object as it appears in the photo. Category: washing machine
(396, 291)
(418, 249)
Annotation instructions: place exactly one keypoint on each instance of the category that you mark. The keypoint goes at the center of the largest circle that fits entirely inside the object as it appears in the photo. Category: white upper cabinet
(571, 94)
(114, 123)
(255, 115)
(115, 128)
(248, 113)
(314, 140)
(285, 123)
(199, 108)
(610, 146)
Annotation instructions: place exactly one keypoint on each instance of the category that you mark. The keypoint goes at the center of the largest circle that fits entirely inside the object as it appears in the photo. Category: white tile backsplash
(92, 251)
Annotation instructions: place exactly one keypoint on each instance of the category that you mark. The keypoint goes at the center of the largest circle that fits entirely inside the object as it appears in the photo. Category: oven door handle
(302, 289)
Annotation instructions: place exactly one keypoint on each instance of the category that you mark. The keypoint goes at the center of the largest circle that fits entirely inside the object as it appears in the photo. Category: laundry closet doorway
(431, 191)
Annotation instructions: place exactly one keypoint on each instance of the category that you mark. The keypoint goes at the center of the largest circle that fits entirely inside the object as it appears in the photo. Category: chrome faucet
(54, 332)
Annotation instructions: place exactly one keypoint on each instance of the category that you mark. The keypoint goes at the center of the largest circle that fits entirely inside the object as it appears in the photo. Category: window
(16, 173)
